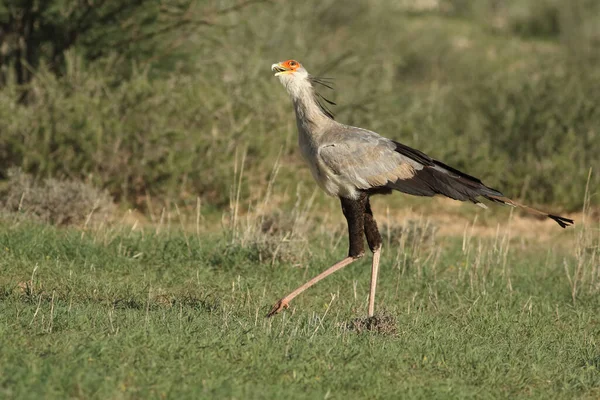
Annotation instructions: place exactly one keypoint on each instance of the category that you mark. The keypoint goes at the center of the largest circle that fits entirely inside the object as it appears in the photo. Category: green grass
(122, 314)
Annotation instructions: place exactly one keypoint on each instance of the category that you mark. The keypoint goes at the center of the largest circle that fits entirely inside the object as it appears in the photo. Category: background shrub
(59, 202)
(471, 84)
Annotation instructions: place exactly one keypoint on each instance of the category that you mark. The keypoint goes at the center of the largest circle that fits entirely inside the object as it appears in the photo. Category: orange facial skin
(290, 65)
(285, 67)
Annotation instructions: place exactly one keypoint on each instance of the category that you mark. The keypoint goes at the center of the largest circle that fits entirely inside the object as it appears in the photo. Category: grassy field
(195, 135)
(166, 313)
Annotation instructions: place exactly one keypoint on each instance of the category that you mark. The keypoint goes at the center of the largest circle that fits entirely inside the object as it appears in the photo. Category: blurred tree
(36, 31)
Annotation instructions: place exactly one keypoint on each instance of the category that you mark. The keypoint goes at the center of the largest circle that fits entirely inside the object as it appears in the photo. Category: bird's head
(291, 74)
(290, 69)
(300, 84)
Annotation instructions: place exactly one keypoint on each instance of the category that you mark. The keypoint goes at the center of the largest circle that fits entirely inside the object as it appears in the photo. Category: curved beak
(279, 69)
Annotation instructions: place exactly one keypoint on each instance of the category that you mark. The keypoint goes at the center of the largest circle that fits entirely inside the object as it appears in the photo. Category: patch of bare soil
(384, 324)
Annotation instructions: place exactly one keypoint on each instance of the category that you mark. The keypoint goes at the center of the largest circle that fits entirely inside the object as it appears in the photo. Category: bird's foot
(279, 306)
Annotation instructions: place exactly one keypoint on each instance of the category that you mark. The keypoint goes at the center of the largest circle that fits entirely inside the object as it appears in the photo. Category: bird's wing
(371, 161)
(366, 159)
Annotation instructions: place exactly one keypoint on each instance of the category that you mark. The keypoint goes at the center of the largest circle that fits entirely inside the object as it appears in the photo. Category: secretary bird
(354, 164)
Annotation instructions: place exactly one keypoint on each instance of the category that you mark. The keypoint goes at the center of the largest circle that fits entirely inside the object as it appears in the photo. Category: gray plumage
(346, 161)
(353, 164)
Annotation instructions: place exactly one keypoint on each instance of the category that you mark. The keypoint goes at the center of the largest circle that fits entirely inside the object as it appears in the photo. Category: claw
(278, 307)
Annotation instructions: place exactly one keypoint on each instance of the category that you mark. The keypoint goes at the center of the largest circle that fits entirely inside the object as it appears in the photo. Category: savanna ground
(129, 312)
(164, 294)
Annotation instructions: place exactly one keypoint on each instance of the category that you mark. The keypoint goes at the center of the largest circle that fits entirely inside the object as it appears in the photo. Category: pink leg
(374, 272)
(283, 303)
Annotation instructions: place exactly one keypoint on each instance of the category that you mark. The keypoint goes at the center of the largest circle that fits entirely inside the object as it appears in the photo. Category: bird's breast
(310, 153)
(328, 180)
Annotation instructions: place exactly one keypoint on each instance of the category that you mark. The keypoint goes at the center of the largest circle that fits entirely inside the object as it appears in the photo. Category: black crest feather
(319, 98)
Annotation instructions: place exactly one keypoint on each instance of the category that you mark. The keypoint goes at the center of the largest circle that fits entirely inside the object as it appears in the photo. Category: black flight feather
(438, 178)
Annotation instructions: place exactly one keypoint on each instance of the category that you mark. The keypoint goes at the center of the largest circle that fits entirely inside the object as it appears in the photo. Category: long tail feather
(562, 221)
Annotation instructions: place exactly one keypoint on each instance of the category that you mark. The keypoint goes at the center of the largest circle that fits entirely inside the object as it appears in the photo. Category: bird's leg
(354, 213)
(374, 240)
(284, 302)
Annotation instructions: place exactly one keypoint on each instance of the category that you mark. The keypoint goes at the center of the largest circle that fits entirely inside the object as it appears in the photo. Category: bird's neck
(310, 117)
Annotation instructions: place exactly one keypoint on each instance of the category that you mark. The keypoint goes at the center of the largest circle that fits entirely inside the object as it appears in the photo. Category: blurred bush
(56, 201)
(148, 32)
(462, 84)
(172, 138)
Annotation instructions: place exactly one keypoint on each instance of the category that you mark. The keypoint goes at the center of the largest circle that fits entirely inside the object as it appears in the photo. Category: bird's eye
(293, 63)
